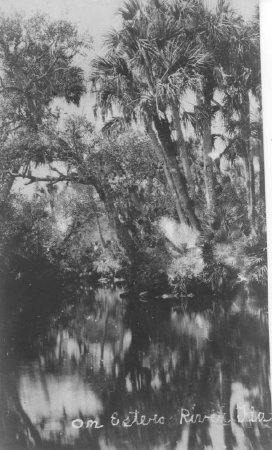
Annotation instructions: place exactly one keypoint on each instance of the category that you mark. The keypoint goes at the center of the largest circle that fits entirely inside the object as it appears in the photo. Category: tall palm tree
(213, 30)
(149, 66)
(163, 51)
(234, 72)
(241, 87)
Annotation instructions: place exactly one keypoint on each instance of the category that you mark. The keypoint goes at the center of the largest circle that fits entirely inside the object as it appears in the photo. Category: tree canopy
(172, 71)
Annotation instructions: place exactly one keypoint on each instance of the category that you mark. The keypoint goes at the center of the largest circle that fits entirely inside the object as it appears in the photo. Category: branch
(217, 103)
(56, 170)
(45, 53)
(47, 179)
(47, 71)
(74, 178)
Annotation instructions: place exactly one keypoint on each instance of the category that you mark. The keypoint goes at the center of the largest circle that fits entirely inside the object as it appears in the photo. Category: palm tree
(241, 87)
(214, 31)
(163, 51)
(149, 65)
(234, 72)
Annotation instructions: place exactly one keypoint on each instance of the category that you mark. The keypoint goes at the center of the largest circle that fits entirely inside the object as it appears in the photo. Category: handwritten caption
(136, 418)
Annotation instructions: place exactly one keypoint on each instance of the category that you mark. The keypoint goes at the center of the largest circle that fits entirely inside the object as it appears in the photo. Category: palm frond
(112, 39)
(114, 126)
(110, 65)
(235, 149)
(130, 9)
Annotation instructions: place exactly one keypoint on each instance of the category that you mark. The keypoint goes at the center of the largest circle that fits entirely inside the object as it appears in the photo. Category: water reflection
(111, 361)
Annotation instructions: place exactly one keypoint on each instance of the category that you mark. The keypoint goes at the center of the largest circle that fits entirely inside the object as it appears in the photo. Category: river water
(104, 372)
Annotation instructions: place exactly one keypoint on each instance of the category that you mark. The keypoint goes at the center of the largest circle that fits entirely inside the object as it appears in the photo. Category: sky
(95, 16)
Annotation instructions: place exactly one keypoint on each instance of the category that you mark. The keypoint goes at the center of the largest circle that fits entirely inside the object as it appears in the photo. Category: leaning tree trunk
(208, 166)
(207, 145)
(124, 231)
(182, 150)
(169, 153)
(248, 159)
(161, 157)
(104, 245)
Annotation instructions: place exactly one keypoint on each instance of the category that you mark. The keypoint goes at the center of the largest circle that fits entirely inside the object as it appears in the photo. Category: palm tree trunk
(208, 166)
(261, 174)
(250, 184)
(182, 150)
(208, 174)
(167, 173)
(252, 187)
(248, 159)
(169, 153)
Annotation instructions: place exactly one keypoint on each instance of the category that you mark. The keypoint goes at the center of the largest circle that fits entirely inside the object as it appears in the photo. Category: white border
(266, 66)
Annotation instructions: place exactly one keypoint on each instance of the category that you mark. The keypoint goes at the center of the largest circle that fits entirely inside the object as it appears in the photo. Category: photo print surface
(133, 264)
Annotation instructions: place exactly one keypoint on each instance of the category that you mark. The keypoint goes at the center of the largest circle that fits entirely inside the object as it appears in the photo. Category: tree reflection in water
(104, 355)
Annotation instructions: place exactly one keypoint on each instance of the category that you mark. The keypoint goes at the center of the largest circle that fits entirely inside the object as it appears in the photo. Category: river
(104, 372)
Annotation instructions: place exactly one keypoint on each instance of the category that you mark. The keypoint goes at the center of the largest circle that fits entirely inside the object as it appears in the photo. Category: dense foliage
(169, 194)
